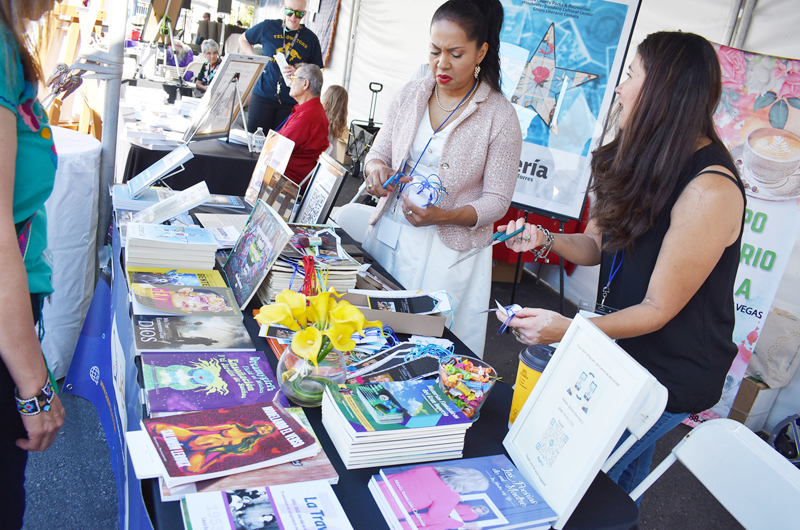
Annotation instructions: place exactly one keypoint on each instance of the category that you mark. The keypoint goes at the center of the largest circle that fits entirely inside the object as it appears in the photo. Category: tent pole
(733, 16)
(744, 23)
(116, 38)
(351, 45)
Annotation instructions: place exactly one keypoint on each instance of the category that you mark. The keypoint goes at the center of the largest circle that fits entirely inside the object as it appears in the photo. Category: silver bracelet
(544, 251)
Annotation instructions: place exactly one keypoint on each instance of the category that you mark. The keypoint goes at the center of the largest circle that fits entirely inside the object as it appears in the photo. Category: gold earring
(477, 70)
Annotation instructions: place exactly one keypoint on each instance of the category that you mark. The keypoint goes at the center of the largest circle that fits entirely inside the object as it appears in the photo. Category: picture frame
(219, 106)
(561, 439)
(323, 189)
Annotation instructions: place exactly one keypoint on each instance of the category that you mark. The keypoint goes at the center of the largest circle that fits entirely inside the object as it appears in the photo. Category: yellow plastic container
(532, 362)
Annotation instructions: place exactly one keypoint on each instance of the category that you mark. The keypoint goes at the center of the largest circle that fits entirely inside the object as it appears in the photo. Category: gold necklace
(436, 91)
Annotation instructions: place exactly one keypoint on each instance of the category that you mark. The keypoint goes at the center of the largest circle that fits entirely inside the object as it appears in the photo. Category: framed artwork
(326, 182)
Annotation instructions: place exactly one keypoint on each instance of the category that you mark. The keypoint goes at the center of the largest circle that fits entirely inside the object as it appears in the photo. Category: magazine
(182, 382)
(185, 277)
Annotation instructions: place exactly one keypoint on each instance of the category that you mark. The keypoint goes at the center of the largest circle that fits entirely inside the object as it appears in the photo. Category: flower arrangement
(321, 323)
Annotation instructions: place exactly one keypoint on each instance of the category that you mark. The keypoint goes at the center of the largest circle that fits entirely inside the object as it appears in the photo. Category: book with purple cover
(183, 382)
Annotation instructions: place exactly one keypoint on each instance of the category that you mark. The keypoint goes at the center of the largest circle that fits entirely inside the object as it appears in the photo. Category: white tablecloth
(72, 238)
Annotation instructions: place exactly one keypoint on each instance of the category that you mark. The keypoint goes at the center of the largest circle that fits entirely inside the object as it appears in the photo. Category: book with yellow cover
(185, 277)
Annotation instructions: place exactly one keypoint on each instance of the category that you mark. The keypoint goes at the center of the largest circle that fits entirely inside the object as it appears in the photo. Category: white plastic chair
(354, 219)
(758, 486)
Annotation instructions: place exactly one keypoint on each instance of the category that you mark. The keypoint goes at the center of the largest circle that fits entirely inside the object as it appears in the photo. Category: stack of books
(154, 245)
(333, 267)
(151, 137)
(393, 423)
(177, 332)
(481, 492)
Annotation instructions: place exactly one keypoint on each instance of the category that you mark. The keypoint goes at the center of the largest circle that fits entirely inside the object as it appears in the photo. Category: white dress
(420, 260)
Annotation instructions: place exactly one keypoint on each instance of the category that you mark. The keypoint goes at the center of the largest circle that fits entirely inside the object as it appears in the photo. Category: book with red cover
(215, 443)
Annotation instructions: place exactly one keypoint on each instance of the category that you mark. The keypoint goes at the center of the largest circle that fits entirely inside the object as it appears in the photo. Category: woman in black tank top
(666, 228)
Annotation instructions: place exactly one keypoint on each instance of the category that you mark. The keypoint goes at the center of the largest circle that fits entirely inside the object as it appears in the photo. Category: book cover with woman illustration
(167, 299)
(483, 492)
(215, 443)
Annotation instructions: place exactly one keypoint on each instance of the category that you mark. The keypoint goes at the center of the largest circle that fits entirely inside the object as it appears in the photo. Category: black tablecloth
(605, 506)
(226, 168)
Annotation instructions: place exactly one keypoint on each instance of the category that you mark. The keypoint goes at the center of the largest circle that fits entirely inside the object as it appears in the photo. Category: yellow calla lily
(345, 312)
(341, 336)
(319, 306)
(277, 314)
(306, 343)
(297, 304)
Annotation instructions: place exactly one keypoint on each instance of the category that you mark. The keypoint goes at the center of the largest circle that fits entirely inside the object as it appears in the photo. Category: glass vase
(303, 383)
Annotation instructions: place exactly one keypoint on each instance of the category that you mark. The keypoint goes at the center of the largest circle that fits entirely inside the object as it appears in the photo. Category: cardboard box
(504, 272)
(754, 422)
(428, 325)
(753, 403)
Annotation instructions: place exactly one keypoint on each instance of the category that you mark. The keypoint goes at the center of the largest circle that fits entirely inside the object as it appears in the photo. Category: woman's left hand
(419, 216)
(536, 326)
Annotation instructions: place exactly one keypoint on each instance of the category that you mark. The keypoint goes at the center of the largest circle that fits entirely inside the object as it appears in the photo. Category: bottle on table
(258, 140)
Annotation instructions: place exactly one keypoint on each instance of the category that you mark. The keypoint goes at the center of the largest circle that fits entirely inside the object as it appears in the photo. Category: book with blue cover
(166, 237)
(483, 492)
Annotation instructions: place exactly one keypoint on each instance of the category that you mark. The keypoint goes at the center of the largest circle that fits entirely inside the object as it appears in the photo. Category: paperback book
(177, 300)
(183, 382)
(214, 443)
(190, 333)
(259, 245)
(317, 467)
(486, 491)
(159, 170)
(300, 506)
(184, 277)
(274, 158)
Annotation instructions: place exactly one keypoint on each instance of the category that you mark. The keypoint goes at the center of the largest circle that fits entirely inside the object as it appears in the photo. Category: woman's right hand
(376, 176)
(528, 239)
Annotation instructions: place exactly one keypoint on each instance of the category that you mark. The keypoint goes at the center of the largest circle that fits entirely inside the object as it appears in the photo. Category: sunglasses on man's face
(289, 12)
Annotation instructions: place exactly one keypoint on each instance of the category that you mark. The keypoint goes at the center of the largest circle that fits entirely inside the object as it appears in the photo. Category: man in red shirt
(307, 126)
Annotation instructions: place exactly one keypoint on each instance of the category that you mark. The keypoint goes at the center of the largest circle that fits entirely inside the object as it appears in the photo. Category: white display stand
(72, 239)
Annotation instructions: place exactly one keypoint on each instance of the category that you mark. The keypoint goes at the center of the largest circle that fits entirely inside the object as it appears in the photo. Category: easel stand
(561, 222)
(235, 81)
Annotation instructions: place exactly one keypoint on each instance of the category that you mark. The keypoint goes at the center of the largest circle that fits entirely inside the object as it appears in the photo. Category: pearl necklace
(472, 91)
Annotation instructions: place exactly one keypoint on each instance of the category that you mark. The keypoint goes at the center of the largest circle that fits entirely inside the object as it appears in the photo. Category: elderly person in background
(184, 56)
(271, 101)
(307, 125)
(452, 129)
(210, 50)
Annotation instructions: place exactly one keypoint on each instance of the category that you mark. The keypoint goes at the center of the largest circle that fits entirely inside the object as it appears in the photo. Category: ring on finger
(409, 213)
(518, 239)
(369, 186)
(516, 333)
(526, 238)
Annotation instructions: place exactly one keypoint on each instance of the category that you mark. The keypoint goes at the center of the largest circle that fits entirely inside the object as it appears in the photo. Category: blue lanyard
(283, 123)
(400, 188)
(611, 275)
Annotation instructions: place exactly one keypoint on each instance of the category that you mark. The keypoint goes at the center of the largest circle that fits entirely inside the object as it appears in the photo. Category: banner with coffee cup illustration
(758, 119)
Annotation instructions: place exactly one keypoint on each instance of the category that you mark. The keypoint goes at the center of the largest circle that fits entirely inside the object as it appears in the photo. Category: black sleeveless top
(691, 354)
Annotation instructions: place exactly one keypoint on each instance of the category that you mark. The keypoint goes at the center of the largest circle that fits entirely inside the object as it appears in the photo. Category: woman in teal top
(30, 412)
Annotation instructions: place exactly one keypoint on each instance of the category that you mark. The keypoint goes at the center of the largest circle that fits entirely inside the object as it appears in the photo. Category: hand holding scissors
(497, 237)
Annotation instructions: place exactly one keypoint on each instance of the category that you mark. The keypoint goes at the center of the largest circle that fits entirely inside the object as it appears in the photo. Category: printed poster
(560, 63)
(758, 119)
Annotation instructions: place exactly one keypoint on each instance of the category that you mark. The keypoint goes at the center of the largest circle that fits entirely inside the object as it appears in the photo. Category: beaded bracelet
(542, 253)
(36, 404)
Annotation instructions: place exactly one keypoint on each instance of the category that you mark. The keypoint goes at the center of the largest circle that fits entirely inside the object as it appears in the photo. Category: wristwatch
(38, 403)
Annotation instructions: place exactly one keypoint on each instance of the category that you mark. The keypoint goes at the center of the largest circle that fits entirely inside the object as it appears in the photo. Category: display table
(225, 167)
(604, 507)
(72, 239)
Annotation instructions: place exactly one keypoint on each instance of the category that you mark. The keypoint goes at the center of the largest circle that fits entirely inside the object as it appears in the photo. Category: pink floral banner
(759, 120)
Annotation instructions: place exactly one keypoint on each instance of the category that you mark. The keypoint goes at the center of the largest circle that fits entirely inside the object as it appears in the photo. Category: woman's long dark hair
(14, 15)
(482, 21)
(635, 174)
